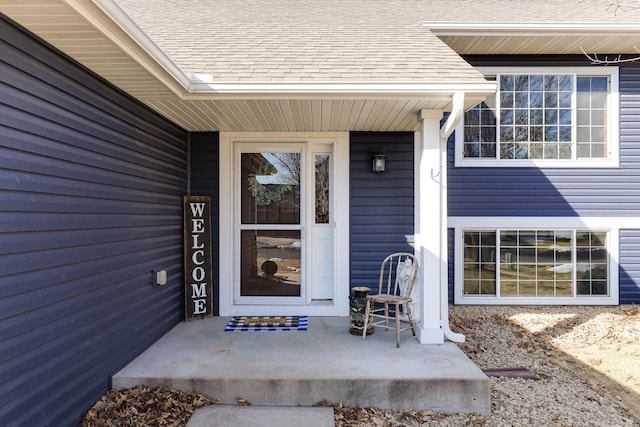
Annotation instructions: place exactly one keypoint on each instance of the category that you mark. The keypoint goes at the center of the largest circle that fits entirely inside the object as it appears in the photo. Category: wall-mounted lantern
(378, 162)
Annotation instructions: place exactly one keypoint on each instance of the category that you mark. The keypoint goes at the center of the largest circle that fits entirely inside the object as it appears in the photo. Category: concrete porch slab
(300, 368)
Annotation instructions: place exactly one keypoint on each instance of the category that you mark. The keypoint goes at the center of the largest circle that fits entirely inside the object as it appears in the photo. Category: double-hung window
(551, 117)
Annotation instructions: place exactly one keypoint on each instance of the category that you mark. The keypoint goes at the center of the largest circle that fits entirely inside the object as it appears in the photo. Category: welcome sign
(197, 257)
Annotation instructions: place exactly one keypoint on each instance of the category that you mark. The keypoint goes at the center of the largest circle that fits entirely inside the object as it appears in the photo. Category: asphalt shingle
(337, 40)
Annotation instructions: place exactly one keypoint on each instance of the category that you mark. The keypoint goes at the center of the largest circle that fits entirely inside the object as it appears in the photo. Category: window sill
(538, 164)
(493, 300)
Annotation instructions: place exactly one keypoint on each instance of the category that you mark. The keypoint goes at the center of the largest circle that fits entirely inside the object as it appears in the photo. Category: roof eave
(532, 29)
(128, 36)
(328, 90)
(552, 38)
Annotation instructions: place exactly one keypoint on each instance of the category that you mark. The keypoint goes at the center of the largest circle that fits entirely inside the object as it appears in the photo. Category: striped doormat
(267, 323)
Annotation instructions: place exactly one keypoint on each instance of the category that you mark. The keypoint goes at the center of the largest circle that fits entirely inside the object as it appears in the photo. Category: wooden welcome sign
(198, 282)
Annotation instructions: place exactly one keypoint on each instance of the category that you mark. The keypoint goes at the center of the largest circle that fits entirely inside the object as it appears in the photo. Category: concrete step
(263, 416)
(300, 368)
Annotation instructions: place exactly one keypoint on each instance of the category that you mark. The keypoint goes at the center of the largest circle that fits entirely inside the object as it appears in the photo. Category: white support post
(429, 228)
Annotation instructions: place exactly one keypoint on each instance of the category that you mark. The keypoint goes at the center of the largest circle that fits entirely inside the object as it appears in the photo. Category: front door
(270, 235)
(285, 231)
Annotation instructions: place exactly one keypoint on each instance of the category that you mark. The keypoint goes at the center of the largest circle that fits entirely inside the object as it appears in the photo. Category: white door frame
(339, 306)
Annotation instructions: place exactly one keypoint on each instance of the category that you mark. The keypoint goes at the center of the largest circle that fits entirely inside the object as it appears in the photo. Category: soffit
(91, 44)
(552, 27)
(490, 40)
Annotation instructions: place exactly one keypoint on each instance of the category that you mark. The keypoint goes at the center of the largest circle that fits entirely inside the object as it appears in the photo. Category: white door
(284, 236)
(283, 242)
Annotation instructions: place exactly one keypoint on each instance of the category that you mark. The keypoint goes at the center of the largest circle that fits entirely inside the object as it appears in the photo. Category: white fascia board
(202, 90)
(453, 28)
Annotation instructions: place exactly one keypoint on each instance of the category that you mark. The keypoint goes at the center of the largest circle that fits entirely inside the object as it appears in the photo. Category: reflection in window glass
(479, 263)
(270, 185)
(592, 269)
(480, 130)
(540, 116)
(322, 188)
(270, 263)
(535, 263)
(536, 126)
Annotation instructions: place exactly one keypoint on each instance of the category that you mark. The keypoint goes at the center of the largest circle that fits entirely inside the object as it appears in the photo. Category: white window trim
(549, 223)
(613, 123)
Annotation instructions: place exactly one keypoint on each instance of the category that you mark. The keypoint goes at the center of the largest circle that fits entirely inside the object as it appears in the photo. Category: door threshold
(322, 302)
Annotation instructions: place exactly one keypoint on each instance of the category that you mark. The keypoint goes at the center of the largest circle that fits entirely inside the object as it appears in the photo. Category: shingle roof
(339, 40)
(289, 40)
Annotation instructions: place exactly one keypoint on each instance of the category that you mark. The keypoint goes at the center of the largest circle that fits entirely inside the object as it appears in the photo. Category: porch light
(378, 162)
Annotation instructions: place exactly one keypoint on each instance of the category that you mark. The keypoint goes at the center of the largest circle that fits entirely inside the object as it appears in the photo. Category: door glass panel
(271, 230)
(322, 189)
(270, 186)
(270, 263)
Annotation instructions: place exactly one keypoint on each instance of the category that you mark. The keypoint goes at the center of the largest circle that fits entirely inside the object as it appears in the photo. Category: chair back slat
(398, 274)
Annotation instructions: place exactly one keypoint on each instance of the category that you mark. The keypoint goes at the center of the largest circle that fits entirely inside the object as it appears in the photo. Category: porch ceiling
(296, 114)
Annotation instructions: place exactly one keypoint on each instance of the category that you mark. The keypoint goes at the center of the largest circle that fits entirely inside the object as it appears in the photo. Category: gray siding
(382, 209)
(91, 184)
(557, 192)
(204, 180)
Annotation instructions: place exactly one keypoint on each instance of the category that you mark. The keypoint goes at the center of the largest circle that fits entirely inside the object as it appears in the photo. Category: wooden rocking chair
(397, 277)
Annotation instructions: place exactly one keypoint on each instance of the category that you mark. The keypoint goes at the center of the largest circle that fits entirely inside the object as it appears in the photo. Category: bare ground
(587, 359)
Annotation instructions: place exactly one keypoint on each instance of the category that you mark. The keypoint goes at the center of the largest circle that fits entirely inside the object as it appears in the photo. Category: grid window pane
(479, 263)
(488, 150)
(551, 108)
(592, 267)
(591, 116)
(480, 128)
(535, 263)
(543, 262)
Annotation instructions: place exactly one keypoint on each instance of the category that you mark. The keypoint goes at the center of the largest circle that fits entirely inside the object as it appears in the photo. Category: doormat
(267, 323)
(511, 373)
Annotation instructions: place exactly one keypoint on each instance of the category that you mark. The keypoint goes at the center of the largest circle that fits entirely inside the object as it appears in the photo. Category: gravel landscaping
(586, 359)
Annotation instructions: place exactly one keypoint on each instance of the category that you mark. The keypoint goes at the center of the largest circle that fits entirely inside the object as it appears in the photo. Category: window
(561, 117)
(517, 264)
(323, 188)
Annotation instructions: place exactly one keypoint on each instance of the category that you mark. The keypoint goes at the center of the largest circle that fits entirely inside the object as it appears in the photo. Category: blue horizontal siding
(451, 247)
(381, 204)
(629, 267)
(556, 192)
(91, 184)
(204, 181)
